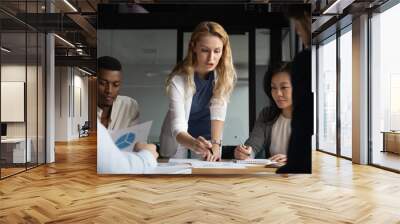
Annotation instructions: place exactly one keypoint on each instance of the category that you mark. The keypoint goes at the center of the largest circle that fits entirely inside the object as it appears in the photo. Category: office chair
(84, 130)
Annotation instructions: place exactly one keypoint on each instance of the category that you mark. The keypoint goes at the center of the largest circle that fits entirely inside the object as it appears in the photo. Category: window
(346, 93)
(327, 96)
(385, 84)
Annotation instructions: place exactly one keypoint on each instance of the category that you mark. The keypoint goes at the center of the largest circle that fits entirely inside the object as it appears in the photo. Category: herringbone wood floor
(70, 191)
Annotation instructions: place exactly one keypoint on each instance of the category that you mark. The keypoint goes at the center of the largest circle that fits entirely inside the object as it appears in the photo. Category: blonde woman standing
(198, 89)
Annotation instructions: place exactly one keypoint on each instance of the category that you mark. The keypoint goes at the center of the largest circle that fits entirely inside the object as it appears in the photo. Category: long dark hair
(274, 111)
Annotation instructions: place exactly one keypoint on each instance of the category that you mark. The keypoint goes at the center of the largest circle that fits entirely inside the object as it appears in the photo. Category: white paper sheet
(196, 163)
(182, 161)
(218, 165)
(256, 161)
(170, 168)
(125, 139)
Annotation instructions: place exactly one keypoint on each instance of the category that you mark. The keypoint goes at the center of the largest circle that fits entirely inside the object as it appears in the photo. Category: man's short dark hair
(109, 63)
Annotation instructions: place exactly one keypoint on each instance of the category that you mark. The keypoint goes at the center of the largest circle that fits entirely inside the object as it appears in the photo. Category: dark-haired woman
(271, 132)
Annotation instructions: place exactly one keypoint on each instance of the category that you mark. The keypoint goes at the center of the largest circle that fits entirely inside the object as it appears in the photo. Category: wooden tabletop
(71, 191)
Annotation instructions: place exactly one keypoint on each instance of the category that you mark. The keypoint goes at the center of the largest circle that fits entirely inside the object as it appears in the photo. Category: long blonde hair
(226, 72)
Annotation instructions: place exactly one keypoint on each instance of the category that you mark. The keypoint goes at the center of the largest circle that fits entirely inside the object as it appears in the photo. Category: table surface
(390, 132)
(13, 140)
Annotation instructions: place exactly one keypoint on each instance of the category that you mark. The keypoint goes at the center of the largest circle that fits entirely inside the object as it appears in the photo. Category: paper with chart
(125, 139)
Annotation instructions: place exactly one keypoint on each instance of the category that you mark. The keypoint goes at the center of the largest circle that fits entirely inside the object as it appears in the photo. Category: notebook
(256, 161)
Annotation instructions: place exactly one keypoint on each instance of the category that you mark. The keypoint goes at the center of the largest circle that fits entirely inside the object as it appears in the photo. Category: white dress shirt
(124, 113)
(111, 160)
(280, 136)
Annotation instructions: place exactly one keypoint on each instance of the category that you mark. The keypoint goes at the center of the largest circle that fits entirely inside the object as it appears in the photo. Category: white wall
(61, 103)
(16, 73)
(32, 127)
(71, 95)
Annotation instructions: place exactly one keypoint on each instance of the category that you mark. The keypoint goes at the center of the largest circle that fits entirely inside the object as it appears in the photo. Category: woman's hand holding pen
(201, 146)
(210, 152)
(243, 152)
(213, 154)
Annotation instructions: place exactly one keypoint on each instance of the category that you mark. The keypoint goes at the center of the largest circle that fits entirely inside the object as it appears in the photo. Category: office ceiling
(79, 27)
(76, 24)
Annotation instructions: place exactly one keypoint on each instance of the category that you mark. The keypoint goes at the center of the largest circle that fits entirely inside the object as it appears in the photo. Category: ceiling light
(136, 8)
(133, 8)
(337, 7)
(65, 41)
(329, 9)
(5, 50)
(84, 71)
(70, 5)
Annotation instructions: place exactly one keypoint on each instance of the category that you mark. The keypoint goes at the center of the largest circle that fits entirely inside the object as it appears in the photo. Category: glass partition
(14, 153)
(22, 91)
(327, 96)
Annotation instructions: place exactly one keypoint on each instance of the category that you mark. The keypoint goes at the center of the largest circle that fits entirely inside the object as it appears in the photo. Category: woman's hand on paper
(213, 154)
(280, 158)
(201, 146)
(242, 152)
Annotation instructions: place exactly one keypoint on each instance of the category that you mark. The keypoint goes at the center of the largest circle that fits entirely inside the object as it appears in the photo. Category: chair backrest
(86, 125)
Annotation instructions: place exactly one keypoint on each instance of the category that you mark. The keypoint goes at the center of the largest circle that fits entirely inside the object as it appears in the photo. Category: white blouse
(177, 117)
(280, 136)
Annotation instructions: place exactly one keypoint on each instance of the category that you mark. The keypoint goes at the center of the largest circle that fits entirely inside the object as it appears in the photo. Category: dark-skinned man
(117, 112)
(114, 111)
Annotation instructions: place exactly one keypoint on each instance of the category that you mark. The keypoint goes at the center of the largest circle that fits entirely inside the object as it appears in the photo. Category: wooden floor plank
(70, 191)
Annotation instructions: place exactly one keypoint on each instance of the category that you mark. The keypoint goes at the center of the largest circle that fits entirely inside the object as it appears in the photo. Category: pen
(242, 144)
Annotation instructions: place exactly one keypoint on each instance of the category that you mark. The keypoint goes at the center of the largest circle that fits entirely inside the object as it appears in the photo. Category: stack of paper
(184, 161)
(196, 163)
(170, 168)
(218, 165)
(256, 161)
